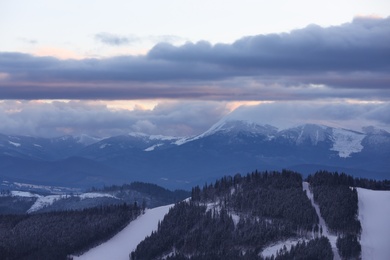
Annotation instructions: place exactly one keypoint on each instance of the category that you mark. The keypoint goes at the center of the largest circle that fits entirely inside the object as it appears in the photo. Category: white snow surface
(374, 212)
(347, 142)
(151, 148)
(91, 195)
(44, 201)
(104, 146)
(23, 194)
(14, 144)
(122, 244)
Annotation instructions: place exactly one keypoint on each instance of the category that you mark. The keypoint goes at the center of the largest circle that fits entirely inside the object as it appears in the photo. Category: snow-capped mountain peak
(233, 126)
(307, 132)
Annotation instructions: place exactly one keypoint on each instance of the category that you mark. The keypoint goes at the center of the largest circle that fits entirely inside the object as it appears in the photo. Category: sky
(176, 67)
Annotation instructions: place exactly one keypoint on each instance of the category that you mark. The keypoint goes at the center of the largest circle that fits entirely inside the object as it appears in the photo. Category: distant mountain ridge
(230, 146)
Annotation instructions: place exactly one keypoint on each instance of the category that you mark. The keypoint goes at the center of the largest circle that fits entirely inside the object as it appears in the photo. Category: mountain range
(228, 147)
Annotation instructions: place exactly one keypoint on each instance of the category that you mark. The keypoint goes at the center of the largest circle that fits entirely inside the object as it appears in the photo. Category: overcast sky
(177, 67)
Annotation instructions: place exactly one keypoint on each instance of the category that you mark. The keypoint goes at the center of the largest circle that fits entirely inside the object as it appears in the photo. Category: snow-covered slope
(347, 142)
(121, 245)
(374, 212)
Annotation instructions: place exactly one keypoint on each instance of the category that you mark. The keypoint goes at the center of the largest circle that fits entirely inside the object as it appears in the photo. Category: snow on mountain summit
(307, 132)
(233, 126)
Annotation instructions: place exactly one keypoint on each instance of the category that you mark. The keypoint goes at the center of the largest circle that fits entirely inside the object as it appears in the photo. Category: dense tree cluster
(267, 207)
(338, 202)
(349, 246)
(267, 195)
(15, 205)
(56, 235)
(328, 178)
(318, 248)
(155, 195)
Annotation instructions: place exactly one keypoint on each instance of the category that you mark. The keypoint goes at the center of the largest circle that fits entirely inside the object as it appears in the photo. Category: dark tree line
(338, 202)
(270, 206)
(56, 235)
(149, 189)
(316, 249)
(328, 178)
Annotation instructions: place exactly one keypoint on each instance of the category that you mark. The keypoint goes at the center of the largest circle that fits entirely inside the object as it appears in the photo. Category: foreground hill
(268, 215)
(228, 147)
(235, 217)
(239, 217)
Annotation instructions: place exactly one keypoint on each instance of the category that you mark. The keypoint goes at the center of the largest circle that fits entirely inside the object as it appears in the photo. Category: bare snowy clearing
(374, 211)
(121, 245)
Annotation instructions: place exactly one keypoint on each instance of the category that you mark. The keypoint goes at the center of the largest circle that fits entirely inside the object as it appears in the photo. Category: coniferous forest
(338, 201)
(236, 218)
(56, 235)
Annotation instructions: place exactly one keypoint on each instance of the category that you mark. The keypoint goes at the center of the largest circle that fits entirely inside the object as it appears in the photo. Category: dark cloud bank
(347, 61)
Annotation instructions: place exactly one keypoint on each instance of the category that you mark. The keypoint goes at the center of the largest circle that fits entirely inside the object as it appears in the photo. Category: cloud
(174, 118)
(347, 61)
(344, 115)
(112, 39)
(37, 118)
(118, 40)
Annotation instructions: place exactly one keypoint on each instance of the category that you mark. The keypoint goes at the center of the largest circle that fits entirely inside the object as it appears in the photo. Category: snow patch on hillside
(151, 148)
(42, 202)
(274, 248)
(14, 144)
(92, 195)
(374, 211)
(45, 201)
(122, 244)
(347, 142)
(27, 194)
(162, 137)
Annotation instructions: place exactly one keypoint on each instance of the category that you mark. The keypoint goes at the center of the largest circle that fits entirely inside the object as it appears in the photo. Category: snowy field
(374, 213)
(121, 245)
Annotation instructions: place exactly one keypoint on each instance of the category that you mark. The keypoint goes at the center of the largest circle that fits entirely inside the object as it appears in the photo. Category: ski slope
(332, 237)
(374, 212)
(121, 245)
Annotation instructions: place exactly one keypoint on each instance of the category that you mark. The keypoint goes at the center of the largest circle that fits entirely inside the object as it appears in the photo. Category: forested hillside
(145, 194)
(338, 201)
(56, 235)
(237, 217)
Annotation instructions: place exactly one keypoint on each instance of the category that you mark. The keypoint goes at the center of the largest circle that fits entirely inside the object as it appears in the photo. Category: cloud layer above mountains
(347, 61)
(177, 118)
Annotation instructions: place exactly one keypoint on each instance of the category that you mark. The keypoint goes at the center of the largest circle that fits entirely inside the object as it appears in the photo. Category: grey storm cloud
(348, 61)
